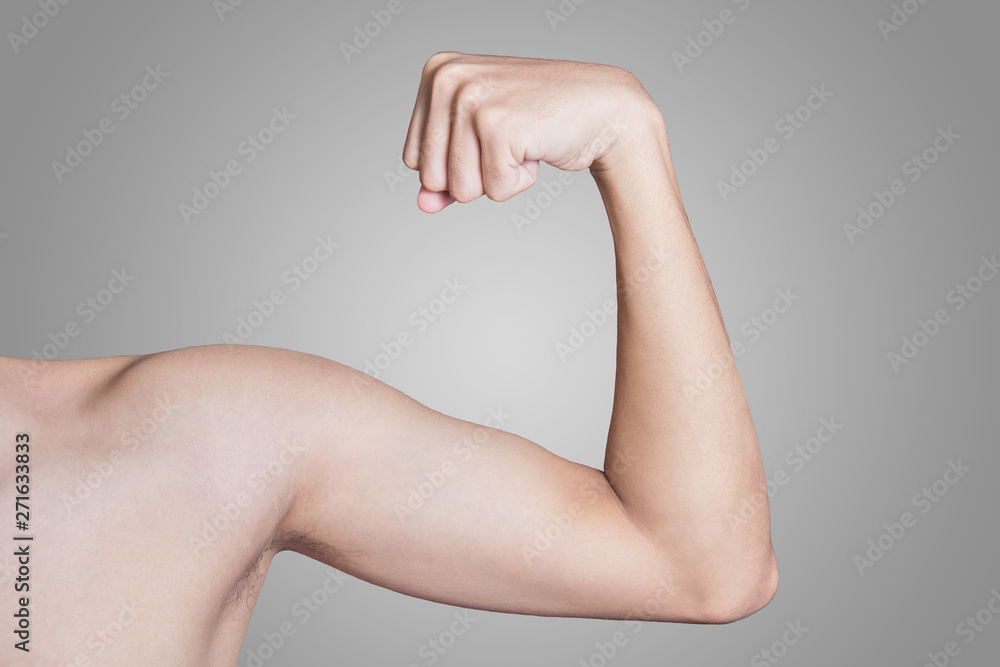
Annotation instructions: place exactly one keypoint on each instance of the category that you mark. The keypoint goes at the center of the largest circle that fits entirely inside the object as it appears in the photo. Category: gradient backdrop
(858, 107)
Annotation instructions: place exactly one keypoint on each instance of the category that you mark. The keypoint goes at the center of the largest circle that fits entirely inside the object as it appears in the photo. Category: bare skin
(163, 485)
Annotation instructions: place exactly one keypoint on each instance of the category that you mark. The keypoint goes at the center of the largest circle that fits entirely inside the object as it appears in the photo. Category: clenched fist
(482, 124)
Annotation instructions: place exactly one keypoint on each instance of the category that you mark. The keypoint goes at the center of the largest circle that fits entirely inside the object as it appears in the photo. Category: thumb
(513, 180)
(433, 202)
(527, 174)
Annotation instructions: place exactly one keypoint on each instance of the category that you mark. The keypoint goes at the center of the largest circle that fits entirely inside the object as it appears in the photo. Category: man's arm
(682, 457)
(439, 508)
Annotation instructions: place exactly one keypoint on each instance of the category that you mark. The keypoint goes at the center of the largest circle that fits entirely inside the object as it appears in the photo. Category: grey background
(495, 347)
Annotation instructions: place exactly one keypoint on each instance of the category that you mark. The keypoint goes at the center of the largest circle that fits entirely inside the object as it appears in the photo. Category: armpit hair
(244, 592)
(305, 544)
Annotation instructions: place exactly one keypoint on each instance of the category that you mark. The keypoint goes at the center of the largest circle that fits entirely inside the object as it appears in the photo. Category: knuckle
(449, 75)
(464, 181)
(499, 194)
(473, 94)
(438, 59)
(468, 97)
(433, 180)
(496, 189)
(463, 195)
(492, 118)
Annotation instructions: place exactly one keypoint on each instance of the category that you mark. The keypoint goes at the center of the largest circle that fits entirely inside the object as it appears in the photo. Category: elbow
(741, 592)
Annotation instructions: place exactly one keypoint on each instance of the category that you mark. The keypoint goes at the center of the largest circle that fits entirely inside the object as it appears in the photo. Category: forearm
(680, 465)
(683, 460)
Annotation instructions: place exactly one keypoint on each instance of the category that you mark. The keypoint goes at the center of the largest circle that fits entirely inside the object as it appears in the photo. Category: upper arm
(442, 509)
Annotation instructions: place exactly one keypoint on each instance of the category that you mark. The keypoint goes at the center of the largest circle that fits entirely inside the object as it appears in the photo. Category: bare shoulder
(253, 412)
(179, 466)
(244, 371)
(248, 396)
(240, 427)
(286, 429)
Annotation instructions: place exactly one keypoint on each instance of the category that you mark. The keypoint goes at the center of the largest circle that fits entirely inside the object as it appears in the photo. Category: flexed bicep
(466, 514)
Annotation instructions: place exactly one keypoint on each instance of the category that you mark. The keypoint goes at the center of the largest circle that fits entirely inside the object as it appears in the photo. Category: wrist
(635, 125)
(637, 179)
(640, 151)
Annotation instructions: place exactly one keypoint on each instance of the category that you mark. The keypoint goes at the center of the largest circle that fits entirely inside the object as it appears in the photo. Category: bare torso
(151, 536)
